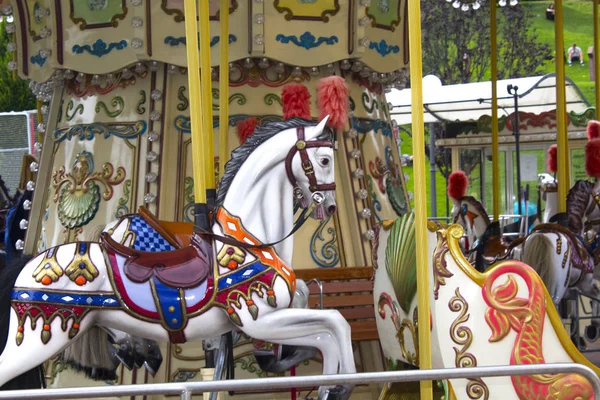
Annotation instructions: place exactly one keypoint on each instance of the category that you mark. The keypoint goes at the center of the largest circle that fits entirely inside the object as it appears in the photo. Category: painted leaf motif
(507, 291)
(401, 259)
(498, 323)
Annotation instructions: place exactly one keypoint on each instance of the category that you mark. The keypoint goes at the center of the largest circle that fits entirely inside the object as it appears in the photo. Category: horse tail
(537, 253)
(9, 271)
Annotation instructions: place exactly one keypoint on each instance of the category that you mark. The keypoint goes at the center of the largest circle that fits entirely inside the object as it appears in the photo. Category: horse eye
(324, 162)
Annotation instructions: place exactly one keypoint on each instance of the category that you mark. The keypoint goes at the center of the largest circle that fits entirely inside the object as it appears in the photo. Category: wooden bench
(348, 290)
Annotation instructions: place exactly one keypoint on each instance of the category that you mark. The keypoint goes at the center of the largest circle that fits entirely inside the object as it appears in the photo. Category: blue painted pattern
(69, 298)
(176, 41)
(367, 125)
(146, 238)
(38, 59)
(307, 40)
(240, 275)
(123, 130)
(99, 48)
(383, 48)
(169, 297)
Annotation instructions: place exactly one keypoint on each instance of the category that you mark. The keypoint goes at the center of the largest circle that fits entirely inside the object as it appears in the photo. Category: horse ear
(317, 130)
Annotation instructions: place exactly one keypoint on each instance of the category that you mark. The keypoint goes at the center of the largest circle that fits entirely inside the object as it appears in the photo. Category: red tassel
(334, 96)
(457, 185)
(245, 128)
(592, 158)
(552, 168)
(296, 101)
(593, 130)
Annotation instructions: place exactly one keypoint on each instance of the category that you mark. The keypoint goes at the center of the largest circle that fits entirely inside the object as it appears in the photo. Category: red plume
(245, 128)
(593, 130)
(592, 158)
(296, 101)
(457, 185)
(552, 159)
(333, 100)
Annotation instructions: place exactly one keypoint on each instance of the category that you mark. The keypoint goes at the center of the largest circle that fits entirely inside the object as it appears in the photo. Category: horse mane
(262, 133)
(478, 206)
(577, 202)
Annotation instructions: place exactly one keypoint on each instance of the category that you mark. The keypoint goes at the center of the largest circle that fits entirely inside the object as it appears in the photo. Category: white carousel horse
(557, 255)
(179, 295)
(548, 188)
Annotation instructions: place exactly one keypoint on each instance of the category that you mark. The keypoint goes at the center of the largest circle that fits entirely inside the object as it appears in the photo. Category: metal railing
(185, 390)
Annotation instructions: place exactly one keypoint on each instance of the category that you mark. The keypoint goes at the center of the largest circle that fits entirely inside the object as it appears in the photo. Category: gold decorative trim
(180, 17)
(392, 26)
(83, 24)
(454, 233)
(463, 336)
(289, 14)
(440, 272)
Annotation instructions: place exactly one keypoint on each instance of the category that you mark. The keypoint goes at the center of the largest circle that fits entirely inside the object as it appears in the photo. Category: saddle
(582, 257)
(178, 234)
(182, 269)
(494, 246)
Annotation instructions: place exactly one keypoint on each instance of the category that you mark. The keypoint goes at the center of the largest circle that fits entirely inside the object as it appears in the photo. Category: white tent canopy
(469, 101)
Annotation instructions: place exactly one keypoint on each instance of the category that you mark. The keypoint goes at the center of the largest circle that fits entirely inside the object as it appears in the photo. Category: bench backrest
(348, 290)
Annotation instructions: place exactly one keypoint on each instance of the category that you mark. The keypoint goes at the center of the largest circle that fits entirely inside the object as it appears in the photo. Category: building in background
(17, 136)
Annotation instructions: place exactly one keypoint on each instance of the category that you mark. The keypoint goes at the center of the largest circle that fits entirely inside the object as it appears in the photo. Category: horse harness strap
(307, 166)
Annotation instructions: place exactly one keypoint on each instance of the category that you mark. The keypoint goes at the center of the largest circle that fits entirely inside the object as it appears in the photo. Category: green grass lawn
(578, 28)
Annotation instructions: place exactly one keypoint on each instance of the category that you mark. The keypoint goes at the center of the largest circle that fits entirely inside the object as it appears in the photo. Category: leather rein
(315, 188)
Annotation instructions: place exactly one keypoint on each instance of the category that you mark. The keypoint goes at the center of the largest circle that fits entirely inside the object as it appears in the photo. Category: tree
(456, 44)
(14, 93)
(522, 55)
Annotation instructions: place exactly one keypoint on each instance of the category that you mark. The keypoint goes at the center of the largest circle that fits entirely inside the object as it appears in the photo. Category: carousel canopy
(470, 101)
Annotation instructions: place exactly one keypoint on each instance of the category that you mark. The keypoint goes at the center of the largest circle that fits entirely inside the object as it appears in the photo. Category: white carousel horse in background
(548, 188)
(109, 285)
(556, 254)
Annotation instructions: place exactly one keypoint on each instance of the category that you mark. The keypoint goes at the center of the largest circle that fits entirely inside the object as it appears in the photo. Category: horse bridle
(316, 189)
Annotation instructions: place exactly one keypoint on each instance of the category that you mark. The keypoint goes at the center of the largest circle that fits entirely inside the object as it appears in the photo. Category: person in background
(550, 12)
(575, 54)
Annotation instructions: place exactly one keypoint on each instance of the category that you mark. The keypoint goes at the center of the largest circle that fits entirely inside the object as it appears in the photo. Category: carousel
(221, 199)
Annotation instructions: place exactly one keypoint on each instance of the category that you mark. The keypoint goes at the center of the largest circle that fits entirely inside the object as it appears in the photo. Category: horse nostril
(331, 210)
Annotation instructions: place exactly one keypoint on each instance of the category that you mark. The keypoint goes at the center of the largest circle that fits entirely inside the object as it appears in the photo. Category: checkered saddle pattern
(147, 238)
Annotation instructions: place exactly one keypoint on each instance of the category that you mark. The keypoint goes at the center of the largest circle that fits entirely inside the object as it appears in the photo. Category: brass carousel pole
(198, 154)
(224, 86)
(418, 133)
(596, 60)
(207, 116)
(494, 79)
(561, 111)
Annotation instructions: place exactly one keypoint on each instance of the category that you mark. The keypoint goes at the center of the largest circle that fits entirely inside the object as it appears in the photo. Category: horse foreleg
(327, 330)
(17, 359)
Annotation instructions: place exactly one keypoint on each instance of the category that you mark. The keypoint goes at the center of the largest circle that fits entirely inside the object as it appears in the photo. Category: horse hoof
(592, 333)
(336, 393)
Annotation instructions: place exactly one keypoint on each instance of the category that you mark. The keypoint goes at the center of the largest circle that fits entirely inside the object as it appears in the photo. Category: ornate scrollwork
(440, 270)
(183, 100)
(78, 193)
(328, 256)
(307, 40)
(463, 337)
(123, 130)
(140, 105)
(123, 208)
(116, 102)
(386, 300)
(79, 109)
(297, 10)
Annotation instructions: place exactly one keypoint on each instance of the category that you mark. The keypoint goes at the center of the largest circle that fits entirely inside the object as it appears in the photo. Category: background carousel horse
(226, 298)
(555, 253)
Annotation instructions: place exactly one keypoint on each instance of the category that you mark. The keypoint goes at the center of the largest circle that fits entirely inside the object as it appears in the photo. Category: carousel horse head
(467, 211)
(546, 184)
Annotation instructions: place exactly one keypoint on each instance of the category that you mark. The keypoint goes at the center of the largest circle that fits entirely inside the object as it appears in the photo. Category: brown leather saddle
(179, 234)
(498, 249)
(182, 268)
